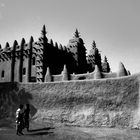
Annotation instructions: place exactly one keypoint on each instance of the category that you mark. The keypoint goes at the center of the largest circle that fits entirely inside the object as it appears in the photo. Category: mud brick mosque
(46, 61)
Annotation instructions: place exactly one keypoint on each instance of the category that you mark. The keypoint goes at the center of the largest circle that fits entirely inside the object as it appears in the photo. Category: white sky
(113, 24)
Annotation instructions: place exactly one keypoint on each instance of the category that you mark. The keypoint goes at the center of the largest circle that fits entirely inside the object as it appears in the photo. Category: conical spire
(31, 40)
(65, 74)
(51, 42)
(43, 39)
(22, 42)
(105, 59)
(13, 61)
(93, 51)
(15, 44)
(93, 44)
(21, 60)
(7, 46)
(76, 34)
(97, 73)
(48, 76)
(44, 30)
(105, 65)
(60, 47)
(128, 72)
(56, 45)
(122, 71)
(30, 59)
(64, 48)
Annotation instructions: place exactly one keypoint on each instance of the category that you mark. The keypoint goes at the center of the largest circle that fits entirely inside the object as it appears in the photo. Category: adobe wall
(25, 65)
(33, 66)
(107, 102)
(83, 76)
(103, 103)
(16, 70)
(6, 67)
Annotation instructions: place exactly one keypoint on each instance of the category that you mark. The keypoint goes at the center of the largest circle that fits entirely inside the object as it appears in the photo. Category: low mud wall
(102, 103)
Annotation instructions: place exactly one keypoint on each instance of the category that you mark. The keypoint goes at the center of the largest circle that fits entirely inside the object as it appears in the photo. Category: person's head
(21, 106)
(27, 106)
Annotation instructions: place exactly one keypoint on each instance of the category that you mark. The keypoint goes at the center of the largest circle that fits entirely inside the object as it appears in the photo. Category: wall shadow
(11, 96)
(39, 133)
(25, 98)
(41, 129)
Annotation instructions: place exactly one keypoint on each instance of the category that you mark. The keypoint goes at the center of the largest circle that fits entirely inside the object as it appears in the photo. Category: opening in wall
(24, 71)
(2, 74)
(33, 61)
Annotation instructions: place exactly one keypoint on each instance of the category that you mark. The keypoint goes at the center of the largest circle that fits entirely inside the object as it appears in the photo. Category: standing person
(19, 120)
(26, 116)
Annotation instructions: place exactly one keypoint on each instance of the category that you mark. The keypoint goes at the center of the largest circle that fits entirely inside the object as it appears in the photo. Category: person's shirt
(19, 113)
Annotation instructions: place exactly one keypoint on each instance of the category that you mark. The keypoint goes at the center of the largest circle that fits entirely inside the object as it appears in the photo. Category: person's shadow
(40, 131)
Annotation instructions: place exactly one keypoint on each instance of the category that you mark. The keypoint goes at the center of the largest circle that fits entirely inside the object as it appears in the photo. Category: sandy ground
(43, 132)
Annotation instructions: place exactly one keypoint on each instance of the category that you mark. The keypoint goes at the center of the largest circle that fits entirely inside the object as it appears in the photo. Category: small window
(2, 74)
(33, 61)
(24, 71)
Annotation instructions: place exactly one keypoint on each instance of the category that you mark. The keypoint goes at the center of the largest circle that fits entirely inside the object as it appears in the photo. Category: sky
(113, 24)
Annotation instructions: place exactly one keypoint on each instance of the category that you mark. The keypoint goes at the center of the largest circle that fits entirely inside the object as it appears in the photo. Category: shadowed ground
(41, 132)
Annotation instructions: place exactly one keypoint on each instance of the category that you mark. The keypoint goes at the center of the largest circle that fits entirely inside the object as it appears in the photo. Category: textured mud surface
(90, 103)
(44, 132)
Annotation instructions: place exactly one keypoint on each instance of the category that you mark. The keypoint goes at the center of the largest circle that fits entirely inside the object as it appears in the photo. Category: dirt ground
(43, 132)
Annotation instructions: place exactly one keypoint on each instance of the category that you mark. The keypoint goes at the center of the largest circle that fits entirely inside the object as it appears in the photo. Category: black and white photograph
(69, 69)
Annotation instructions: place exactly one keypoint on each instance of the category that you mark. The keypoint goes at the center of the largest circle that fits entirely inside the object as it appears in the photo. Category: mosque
(33, 61)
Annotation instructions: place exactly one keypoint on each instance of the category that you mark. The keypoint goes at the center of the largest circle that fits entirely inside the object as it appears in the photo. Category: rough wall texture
(16, 70)
(25, 66)
(106, 102)
(88, 75)
(6, 67)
